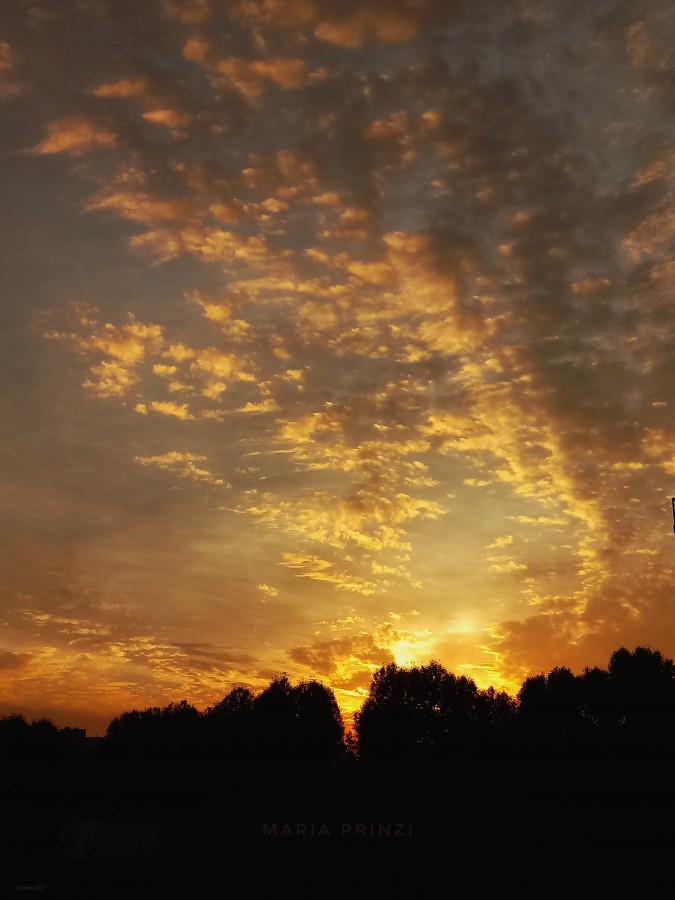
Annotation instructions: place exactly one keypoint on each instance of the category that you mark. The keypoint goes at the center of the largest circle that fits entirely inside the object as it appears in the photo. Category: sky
(331, 334)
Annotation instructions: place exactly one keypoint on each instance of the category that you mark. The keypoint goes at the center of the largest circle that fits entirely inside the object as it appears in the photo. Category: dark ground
(529, 827)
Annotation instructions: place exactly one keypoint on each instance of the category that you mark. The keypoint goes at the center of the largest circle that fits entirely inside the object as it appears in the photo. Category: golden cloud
(216, 365)
(111, 379)
(628, 608)
(168, 118)
(135, 349)
(317, 569)
(348, 662)
(143, 208)
(125, 87)
(126, 345)
(393, 23)
(504, 565)
(75, 135)
(169, 408)
(196, 50)
(252, 77)
(262, 406)
(183, 464)
(502, 541)
(388, 26)
(426, 313)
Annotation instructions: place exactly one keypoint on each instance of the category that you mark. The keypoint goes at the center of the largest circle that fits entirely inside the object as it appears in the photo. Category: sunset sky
(333, 333)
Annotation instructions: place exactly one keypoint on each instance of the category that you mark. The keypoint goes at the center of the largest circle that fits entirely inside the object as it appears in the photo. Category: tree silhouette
(550, 709)
(171, 732)
(495, 716)
(643, 688)
(320, 730)
(426, 712)
(45, 739)
(238, 703)
(599, 707)
(274, 720)
(297, 724)
(180, 726)
(15, 737)
(428, 741)
(399, 717)
(136, 733)
(229, 725)
(629, 706)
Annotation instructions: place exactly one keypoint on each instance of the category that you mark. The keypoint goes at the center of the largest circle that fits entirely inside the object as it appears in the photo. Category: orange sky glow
(333, 334)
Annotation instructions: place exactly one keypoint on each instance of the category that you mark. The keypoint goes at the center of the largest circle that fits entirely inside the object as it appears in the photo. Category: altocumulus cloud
(400, 280)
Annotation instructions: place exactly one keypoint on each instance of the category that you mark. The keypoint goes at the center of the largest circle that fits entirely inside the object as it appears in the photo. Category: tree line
(412, 713)
(427, 712)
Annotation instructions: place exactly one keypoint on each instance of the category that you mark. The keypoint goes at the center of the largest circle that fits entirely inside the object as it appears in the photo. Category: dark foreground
(524, 827)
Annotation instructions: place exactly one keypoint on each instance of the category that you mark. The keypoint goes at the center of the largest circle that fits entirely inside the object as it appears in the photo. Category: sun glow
(412, 650)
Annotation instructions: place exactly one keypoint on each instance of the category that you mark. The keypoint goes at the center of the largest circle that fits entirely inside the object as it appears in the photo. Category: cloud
(111, 379)
(10, 85)
(505, 565)
(648, 43)
(196, 50)
(252, 77)
(347, 26)
(348, 662)
(502, 541)
(540, 520)
(168, 118)
(213, 362)
(184, 464)
(75, 135)
(169, 408)
(128, 344)
(94, 662)
(624, 610)
(125, 87)
(188, 12)
(358, 521)
(396, 276)
(143, 208)
(263, 406)
(317, 569)
(202, 373)
(11, 661)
